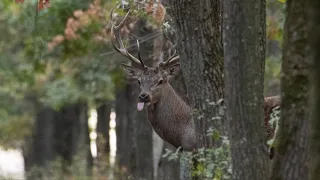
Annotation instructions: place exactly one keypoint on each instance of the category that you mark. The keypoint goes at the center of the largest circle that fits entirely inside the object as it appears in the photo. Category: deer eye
(160, 82)
(139, 82)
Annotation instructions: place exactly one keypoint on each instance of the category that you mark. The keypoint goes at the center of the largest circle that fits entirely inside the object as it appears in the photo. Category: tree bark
(123, 142)
(103, 143)
(292, 152)
(201, 59)
(41, 150)
(198, 24)
(72, 137)
(244, 53)
(314, 40)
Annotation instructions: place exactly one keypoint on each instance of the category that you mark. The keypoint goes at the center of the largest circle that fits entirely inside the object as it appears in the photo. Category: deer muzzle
(143, 98)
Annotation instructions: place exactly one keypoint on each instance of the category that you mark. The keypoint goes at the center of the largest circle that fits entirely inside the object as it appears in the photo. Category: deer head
(151, 79)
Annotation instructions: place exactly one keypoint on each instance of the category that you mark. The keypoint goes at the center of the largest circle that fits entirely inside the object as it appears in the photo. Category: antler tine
(115, 30)
(139, 55)
(173, 58)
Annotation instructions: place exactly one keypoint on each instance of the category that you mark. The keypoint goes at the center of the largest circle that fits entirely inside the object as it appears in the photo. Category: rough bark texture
(292, 152)
(198, 24)
(244, 50)
(314, 29)
(201, 57)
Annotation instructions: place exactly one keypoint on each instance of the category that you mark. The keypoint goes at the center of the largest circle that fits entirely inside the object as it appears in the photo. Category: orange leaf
(19, 1)
(43, 4)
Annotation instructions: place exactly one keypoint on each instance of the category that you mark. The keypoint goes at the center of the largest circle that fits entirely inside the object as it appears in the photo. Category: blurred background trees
(58, 70)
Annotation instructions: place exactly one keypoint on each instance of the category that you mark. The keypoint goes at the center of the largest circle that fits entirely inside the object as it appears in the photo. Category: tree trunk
(244, 53)
(72, 137)
(314, 19)
(103, 143)
(124, 147)
(201, 59)
(64, 134)
(292, 152)
(41, 150)
(198, 26)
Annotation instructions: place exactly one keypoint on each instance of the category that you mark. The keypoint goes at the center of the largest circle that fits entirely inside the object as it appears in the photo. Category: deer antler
(172, 59)
(121, 49)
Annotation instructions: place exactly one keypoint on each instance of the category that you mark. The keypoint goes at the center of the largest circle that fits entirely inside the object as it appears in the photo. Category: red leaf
(43, 4)
(19, 1)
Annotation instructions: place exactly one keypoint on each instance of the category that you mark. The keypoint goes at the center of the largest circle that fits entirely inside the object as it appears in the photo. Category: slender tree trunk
(103, 143)
(103, 116)
(314, 26)
(124, 147)
(292, 152)
(244, 53)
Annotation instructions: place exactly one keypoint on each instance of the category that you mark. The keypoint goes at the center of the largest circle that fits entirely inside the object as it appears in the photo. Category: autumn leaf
(43, 4)
(19, 1)
(282, 1)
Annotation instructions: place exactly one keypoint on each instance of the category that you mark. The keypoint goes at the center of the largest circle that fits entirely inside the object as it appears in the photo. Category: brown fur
(269, 104)
(171, 119)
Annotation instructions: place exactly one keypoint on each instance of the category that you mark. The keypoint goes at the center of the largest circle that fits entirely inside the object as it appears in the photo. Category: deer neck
(170, 116)
(169, 106)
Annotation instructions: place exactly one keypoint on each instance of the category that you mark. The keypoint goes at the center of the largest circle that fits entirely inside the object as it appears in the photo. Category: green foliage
(275, 20)
(59, 55)
(73, 71)
(212, 163)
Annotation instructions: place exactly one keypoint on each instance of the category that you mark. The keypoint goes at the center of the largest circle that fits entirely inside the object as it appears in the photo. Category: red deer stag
(168, 114)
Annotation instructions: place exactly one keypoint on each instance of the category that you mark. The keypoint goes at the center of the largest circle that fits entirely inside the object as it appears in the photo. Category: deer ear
(131, 72)
(172, 70)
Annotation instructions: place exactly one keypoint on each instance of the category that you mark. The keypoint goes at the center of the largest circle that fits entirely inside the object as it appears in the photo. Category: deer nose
(144, 97)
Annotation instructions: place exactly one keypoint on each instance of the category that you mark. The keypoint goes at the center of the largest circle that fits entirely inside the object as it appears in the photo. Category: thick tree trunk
(201, 57)
(314, 19)
(244, 53)
(292, 152)
(198, 26)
